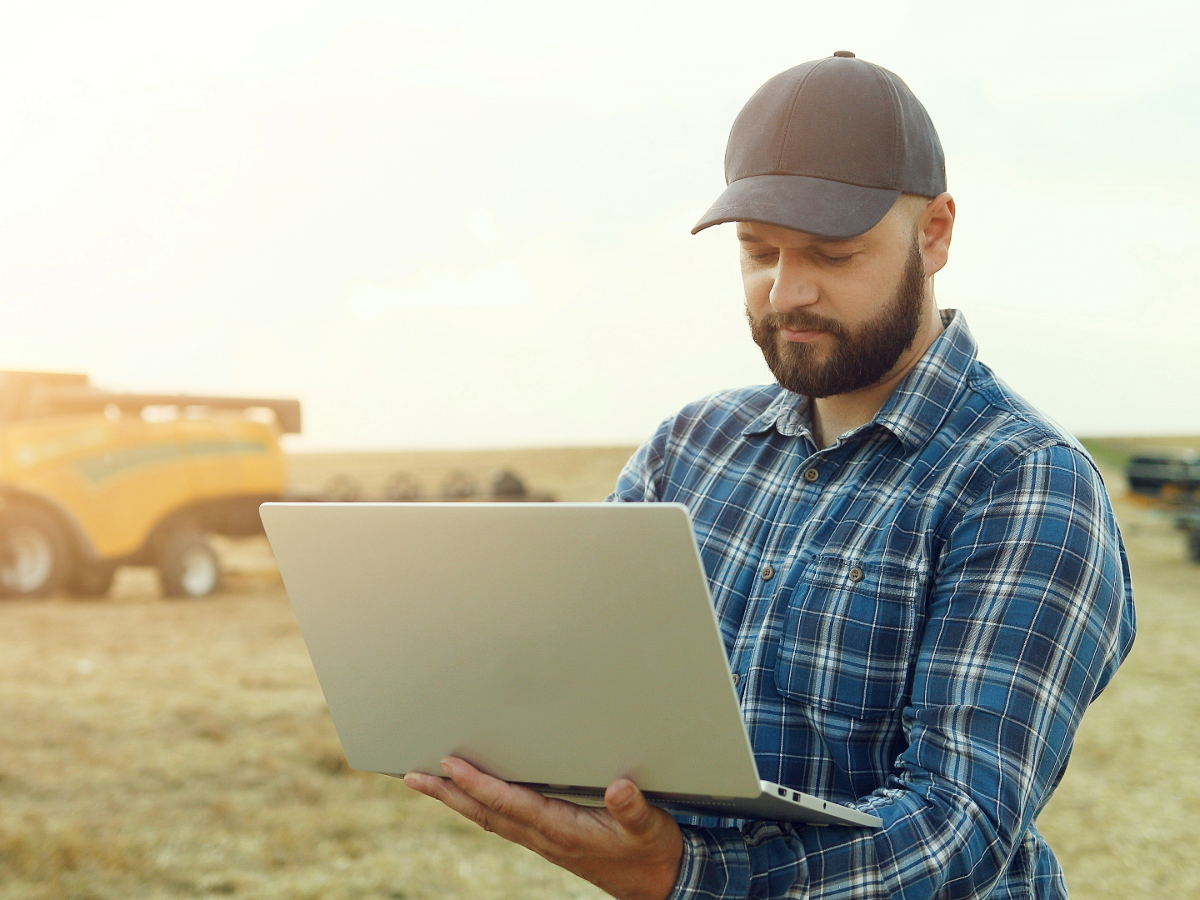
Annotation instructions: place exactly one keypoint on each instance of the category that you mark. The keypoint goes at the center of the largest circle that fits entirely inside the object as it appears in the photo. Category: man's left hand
(629, 848)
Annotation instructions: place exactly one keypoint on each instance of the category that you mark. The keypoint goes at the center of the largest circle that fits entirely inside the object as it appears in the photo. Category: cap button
(844, 54)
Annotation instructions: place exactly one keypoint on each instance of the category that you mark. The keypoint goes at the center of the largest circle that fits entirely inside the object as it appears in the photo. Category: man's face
(832, 317)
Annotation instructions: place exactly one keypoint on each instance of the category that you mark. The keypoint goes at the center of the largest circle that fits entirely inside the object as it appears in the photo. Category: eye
(835, 260)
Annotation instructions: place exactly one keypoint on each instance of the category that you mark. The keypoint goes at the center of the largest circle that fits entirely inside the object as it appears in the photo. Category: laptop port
(783, 792)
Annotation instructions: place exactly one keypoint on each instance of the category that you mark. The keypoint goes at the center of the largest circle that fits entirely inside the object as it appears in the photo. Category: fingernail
(446, 765)
(624, 794)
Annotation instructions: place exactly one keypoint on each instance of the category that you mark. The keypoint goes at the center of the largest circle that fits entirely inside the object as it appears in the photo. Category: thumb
(629, 807)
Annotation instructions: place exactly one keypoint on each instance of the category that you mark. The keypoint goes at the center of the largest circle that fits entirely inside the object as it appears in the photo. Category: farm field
(558, 473)
(157, 749)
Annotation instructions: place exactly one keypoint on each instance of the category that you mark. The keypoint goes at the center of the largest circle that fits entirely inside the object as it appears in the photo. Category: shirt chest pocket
(847, 637)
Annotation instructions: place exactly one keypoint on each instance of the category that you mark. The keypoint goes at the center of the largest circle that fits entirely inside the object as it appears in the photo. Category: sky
(466, 224)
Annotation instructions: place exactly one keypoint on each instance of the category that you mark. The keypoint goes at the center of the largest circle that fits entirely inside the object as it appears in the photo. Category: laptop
(556, 645)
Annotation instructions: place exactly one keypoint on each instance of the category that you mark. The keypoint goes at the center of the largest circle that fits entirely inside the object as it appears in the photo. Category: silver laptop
(557, 645)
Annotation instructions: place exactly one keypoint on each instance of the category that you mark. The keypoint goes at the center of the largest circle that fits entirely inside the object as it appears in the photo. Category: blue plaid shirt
(917, 617)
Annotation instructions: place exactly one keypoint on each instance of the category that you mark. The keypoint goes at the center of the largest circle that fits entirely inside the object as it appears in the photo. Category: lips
(800, 336)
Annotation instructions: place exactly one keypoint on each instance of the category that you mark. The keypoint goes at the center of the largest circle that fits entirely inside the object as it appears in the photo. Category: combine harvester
(1170, 481)
(91, 480)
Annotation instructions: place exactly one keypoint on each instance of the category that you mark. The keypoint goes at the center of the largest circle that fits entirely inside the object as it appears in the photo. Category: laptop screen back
(563, 644)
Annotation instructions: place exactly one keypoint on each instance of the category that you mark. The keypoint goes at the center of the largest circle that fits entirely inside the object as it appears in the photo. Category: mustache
(799, 320)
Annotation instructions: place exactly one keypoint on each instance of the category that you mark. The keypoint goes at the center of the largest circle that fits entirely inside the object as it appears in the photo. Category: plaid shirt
(916, 616)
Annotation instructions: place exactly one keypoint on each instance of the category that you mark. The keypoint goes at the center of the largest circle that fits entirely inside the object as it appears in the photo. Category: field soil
(166, 749)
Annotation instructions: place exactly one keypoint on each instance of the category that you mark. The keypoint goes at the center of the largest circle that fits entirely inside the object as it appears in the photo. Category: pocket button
(856, 574)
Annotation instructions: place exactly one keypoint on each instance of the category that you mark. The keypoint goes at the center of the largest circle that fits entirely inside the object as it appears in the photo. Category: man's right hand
(630, 849)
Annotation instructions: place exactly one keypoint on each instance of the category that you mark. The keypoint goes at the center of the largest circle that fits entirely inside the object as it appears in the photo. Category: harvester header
(37, 395)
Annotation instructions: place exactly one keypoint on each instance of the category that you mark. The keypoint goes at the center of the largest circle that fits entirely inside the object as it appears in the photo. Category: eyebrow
(747, 236)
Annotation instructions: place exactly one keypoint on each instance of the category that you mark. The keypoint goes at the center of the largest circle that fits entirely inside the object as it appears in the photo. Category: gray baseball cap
(827, 148)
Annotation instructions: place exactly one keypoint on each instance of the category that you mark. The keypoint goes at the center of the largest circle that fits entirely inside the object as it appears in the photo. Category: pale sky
(465, 224)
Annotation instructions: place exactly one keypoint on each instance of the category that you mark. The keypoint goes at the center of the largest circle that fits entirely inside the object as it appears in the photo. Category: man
(919, 578)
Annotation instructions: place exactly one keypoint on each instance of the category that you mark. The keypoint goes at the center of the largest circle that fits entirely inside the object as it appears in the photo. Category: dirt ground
(155, 749)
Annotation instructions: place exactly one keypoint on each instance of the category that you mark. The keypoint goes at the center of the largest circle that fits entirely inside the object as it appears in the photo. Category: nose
(793, 287)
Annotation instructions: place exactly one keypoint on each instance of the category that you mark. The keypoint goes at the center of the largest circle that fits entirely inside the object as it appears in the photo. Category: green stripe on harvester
(98, 469)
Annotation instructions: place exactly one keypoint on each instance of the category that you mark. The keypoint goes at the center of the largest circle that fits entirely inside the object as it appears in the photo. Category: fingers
(453, 796)
(629, 807)
(510, 800)
(523, 815)
(510, 810)
(630, 849)
(422, 784)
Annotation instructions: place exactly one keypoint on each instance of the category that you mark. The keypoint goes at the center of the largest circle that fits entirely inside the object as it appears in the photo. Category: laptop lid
(555, 644)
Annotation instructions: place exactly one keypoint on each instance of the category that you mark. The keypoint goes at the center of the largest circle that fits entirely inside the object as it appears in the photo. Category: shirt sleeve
(1028, 617)
(639, 481)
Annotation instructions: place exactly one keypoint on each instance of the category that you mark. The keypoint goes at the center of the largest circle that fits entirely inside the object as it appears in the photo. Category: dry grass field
(155, 749)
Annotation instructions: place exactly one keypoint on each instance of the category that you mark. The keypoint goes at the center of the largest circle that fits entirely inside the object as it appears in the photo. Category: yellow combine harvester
(90, 480)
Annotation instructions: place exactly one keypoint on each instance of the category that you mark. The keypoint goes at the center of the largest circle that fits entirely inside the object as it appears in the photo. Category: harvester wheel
(35, 559)
(188, 566)
(93, 579)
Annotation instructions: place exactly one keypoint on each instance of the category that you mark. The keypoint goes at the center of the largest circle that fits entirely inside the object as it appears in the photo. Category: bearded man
(919, 579)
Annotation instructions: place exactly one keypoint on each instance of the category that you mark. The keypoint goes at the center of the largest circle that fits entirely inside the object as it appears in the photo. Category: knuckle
(479, 816)
(567, 844)
(571, 838)
(643, 820)
(547, 842)
(503, 803)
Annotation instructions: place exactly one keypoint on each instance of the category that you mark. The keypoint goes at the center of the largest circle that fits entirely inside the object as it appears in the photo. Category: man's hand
(630, 849)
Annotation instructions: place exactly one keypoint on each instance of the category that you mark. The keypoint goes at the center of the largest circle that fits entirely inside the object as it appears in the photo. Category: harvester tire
(35, 558)
(188, 566)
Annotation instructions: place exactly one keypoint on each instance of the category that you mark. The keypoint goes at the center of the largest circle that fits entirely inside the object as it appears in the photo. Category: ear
(934, 228)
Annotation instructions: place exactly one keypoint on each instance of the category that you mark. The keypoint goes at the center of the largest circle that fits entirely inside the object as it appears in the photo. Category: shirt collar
(917, 407)
(787, 413)
(923, 399)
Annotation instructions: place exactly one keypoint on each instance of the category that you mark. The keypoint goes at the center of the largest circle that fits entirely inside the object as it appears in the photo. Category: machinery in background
(458, 486)
(1170, 481)
(91, 480)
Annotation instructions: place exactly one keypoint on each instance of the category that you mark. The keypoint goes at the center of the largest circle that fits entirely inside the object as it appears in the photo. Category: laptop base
(775, 803)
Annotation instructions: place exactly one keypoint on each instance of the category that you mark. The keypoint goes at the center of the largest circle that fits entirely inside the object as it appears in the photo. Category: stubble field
(155, 749)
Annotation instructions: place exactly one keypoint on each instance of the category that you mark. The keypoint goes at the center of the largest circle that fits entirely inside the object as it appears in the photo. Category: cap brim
(829, 209)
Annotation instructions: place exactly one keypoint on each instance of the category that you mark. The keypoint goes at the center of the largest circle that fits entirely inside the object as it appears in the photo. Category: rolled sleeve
(716, 864)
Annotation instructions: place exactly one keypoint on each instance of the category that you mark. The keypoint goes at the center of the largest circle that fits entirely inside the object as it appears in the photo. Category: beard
(859, 358)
